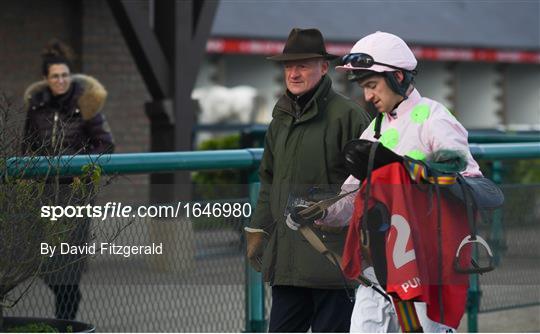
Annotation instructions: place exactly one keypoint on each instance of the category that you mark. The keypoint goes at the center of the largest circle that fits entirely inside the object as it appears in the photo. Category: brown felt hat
(303, 44)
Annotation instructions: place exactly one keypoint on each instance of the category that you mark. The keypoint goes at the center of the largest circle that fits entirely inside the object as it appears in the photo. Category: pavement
(518, 320)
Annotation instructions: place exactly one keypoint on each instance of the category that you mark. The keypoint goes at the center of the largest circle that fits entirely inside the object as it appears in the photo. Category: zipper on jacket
(301, 130)
(297, 110)
(54, 129)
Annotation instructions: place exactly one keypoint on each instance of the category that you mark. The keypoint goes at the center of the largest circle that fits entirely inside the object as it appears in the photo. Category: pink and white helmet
(379, 52)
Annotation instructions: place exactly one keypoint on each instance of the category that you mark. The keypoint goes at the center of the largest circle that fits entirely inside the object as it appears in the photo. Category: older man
(311, 124)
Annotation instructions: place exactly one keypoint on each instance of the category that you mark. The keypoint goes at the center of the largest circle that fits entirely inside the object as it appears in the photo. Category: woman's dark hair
(56, 52)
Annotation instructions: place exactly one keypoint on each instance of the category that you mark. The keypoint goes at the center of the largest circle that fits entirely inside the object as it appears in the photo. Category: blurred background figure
(64, 118)
(220, 105)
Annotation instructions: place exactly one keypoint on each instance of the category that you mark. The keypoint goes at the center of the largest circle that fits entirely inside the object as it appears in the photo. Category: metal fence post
(255, 313)
(473, 300)
(497, 241)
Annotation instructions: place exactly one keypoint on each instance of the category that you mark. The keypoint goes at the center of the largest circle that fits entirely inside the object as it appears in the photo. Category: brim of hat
(359, 74)
(374, 68)
(300, 56)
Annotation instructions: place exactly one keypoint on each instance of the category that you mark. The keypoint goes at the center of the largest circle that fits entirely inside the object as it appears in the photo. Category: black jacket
(68, 124)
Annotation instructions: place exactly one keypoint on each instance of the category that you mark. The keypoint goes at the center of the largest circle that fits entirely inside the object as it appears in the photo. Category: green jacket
(300, 153)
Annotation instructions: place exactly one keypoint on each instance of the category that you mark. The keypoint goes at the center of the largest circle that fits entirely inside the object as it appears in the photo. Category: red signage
(269, 47)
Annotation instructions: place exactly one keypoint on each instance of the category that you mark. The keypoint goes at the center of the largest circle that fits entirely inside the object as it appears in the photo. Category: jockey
(410, 125)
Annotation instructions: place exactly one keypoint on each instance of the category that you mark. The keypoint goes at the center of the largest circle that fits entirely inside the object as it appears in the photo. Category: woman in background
(64, 118)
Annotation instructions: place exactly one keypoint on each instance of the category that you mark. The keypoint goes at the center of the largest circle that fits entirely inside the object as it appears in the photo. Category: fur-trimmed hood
(90, 101)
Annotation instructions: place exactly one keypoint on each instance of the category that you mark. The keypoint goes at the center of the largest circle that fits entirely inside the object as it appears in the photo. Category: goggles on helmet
(364, 60)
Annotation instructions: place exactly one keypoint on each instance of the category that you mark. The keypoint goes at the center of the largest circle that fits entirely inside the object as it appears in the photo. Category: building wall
(107, 57)
(435, 80)
(25, 28)
(522, 97)
(477, 91)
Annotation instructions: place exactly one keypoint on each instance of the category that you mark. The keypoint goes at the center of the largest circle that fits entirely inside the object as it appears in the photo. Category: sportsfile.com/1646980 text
(118, 210)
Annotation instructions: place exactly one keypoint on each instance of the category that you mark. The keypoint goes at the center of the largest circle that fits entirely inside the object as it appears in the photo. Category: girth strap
(407, 316)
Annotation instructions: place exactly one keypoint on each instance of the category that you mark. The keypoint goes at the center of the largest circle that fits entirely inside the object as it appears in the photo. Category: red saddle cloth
(412, 243)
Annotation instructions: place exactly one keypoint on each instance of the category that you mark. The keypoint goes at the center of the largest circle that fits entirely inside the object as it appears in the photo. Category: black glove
(356, 154)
